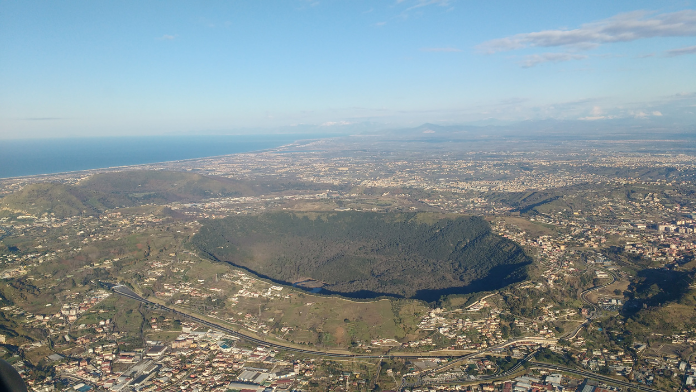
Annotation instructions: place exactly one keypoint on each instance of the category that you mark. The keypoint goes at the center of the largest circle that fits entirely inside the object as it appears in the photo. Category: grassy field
(533, 229)
(165, 336)
(328, 321)
(621, 285)
(335, 321)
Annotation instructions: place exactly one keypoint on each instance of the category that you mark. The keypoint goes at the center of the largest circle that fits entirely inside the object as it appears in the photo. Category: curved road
(5, 232)
(126, 292)
(594, 314)
(584, 293)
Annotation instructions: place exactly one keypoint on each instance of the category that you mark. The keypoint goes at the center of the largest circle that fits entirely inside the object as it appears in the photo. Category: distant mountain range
(615, 129)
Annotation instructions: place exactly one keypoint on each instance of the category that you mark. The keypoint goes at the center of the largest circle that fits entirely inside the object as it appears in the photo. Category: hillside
(163, 186)
(359, 254)
(133, 188)
(661, 301)
(61, 200)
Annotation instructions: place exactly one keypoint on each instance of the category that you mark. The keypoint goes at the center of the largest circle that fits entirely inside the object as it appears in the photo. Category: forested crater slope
(364, 254)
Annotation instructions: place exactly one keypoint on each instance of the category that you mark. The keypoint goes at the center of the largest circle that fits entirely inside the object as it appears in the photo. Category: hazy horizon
(128, 68)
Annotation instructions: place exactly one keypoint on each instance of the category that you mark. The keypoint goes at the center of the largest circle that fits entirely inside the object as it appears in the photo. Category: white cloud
(620, 28)
(424, 3)
(440, 50)
(595, 114)
(334, 123)
(167, 37)
(681, 51)
(536, 59)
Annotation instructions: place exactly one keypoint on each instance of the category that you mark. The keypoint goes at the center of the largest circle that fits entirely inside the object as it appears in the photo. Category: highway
(594, 376)
(127, 292)
(510, 371)
(489, 349)
(529, 357)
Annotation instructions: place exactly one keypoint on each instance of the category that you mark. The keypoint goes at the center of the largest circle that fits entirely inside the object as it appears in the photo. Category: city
(587, 304)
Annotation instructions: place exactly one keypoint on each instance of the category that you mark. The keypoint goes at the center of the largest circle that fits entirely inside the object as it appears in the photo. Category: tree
(505, 331)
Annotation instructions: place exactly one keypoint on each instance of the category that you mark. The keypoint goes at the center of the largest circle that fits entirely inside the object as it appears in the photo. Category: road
(5, 232)
(510, 371)
(506, 373)
(491, 348)
(127, 292)
(582, 373)
(595, 312)
(594, 376)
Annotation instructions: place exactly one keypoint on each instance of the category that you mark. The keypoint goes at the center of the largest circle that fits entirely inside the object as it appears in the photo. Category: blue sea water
(25, 157)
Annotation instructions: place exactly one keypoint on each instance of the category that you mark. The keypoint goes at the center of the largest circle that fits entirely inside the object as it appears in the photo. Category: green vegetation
(654, 287)
(368, 254)
(57, 199)
(548, 356)
(127, 189)
(662, 302)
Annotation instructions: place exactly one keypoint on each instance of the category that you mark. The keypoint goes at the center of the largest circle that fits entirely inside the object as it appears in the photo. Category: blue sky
(74, 68)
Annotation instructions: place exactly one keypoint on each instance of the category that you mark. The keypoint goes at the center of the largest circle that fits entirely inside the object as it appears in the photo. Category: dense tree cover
(546, 355)
(655, 287)
(660, 301)
(362, 254)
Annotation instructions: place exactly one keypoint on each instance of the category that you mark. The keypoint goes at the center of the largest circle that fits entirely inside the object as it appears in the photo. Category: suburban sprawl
(608, 302)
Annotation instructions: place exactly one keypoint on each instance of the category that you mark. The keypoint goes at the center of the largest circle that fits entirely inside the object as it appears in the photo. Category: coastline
(146, 165)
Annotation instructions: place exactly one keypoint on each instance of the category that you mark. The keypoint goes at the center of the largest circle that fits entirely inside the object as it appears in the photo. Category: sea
(26, 157)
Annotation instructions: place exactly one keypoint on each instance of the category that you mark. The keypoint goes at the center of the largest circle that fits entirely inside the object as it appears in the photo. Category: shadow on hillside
(655, 287)
(497, 278)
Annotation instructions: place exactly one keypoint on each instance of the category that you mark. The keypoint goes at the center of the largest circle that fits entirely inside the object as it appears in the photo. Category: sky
(110, 68)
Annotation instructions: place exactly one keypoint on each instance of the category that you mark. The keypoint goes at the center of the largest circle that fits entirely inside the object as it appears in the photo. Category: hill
(163, 186)
(662, 301)
(359, 254)
(61, 200)
(134, 188)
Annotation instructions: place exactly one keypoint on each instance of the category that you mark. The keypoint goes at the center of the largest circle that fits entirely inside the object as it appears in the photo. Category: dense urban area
(102, 288)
